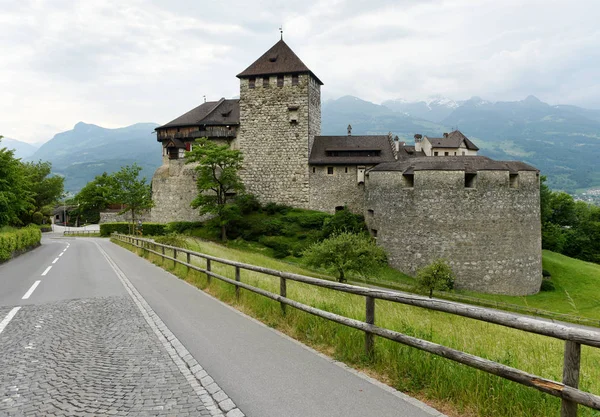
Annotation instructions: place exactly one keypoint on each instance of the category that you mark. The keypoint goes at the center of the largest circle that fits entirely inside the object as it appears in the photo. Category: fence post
(282, 292)
(237, 278)
(162, 258)
(174, 258)
(208, 270)
(369, 319)
(187, 259)
(571, 368)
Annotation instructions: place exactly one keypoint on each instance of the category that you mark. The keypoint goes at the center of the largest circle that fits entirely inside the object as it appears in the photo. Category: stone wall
(173, 189)
(490, 234)
(328, 191)
(275, 149)
(114, 217)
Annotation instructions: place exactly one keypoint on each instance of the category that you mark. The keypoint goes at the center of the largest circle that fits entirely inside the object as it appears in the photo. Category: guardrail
(573, 336)
(81, 232)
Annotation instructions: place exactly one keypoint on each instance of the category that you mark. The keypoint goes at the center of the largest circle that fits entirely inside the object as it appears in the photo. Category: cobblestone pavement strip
(90, 357)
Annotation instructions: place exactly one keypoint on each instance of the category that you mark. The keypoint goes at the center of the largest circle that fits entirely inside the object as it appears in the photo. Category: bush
(12, 242)
(37, 217)
(547, 285)
(546, 274)
(172, 239)
(274, 208)
(343, 221)
(248, 203)
(310, 220)
(435, 276)
(181, 227)
(148, 229)
(281, 247)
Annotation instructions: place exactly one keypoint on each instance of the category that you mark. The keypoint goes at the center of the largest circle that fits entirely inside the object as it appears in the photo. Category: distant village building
(436, 199)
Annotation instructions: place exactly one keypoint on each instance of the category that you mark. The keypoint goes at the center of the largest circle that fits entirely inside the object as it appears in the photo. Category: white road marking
(54, 261)
(31, 290)
(60, 254)
(46, 270)
(8, 318)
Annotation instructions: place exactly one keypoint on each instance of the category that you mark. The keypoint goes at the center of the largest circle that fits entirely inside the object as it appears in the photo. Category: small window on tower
(314, 170)
(294, 79)
(251, 82)
(280, 81)
(265, 82)
(514, 180)
(346, 170)
(470, 180)
(330, 170)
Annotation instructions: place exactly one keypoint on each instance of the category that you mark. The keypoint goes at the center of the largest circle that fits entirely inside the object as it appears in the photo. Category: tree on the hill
(15, 190)
(217, 180)
(436, 276)
(131, 191)
(346, 252)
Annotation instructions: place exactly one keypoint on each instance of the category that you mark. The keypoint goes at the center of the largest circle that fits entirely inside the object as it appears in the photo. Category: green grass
(576, 282)
(460, 390)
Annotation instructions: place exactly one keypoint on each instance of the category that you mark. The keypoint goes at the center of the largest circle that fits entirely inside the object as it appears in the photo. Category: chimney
(418, 140)
(445, 135)
(397, 143)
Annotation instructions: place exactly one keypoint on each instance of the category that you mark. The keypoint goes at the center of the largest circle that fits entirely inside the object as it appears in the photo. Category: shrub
(148, 229)
(274, 208)
(436, 276)
(248, 203)
(310, 220)
(547, 285)
(37, 217)
(546, 274)
(181, 227)
(173, 239)
(343, 221)
(281, 247)
(14, 241)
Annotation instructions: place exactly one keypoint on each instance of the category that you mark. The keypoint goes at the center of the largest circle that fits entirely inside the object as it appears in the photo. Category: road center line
(54, 261)
(8, 318)
(46, 271)
(60, 254)
(31, 290)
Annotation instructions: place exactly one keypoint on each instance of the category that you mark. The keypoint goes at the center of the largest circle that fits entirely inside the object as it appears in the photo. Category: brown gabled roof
(322, 144)
(470, 164)
(280, 59)
(453, 140)
(222, 112)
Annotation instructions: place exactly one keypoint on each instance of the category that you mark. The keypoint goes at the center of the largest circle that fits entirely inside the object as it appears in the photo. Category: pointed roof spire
(281, 30)
(280, 59)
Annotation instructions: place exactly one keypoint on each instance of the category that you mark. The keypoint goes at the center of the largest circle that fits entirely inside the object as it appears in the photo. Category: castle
(437, 199)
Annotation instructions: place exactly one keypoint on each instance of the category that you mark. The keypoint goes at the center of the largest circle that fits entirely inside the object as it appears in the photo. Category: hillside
(88, 150)
(22, 149)
(562, 141)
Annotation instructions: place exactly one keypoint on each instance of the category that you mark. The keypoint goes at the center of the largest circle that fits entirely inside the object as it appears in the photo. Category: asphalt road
(89, 328)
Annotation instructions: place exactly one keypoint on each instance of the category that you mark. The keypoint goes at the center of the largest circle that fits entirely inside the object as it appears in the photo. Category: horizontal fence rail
(81, 232)
(573, 336)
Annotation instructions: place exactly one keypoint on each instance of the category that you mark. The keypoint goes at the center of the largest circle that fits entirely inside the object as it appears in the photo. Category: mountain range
(562, 141)
(89, 150)
(22, 149)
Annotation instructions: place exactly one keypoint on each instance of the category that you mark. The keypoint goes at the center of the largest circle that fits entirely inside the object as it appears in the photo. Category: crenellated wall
(490, 233)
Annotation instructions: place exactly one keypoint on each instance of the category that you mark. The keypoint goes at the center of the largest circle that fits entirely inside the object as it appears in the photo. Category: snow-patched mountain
(435, 108)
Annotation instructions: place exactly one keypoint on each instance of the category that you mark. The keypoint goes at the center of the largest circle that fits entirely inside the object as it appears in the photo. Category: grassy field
(453, 388)
(577, 288)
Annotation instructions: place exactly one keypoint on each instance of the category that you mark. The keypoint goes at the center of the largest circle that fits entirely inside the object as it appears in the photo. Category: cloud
(115, 63)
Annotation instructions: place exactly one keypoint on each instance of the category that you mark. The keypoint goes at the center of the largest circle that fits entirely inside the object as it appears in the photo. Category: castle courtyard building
(437, 199)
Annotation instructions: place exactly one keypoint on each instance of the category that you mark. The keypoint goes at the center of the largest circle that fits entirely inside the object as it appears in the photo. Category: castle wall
(490, 234)
(173, 189)
(328, 191)
(275, 149)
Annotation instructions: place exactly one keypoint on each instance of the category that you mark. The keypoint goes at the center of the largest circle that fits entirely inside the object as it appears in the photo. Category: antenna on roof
(281, 31)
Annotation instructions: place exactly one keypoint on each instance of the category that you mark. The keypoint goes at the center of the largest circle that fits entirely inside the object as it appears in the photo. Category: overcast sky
(118, 62)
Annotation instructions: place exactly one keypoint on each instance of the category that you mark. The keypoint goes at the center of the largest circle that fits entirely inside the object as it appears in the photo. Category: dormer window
(273, 58)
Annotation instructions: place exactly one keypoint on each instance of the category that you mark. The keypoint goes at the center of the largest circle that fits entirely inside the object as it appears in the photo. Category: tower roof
(280, 59)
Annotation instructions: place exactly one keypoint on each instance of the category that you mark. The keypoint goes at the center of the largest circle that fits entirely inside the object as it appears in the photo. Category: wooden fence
(573, 336)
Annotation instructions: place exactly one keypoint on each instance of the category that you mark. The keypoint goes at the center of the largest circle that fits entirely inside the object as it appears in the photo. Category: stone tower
(280, 114)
